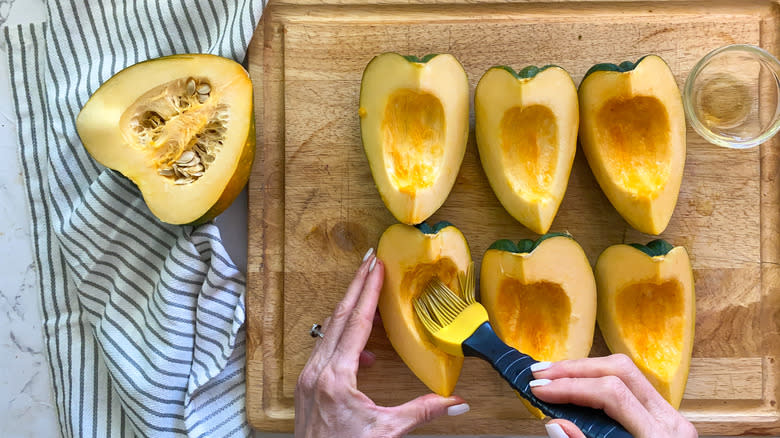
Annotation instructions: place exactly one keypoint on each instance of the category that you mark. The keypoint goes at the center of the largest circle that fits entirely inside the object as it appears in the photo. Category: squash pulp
(541, 299)
(633, 135)
(181, 128)
(414, 126)
(526, 127)
(412, 257)
(646, 310)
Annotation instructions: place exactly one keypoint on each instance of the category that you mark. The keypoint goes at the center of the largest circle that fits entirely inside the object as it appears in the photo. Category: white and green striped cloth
(142, 321)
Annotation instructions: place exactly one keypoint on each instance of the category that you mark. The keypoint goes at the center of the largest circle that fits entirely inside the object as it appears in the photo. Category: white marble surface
(26, 407)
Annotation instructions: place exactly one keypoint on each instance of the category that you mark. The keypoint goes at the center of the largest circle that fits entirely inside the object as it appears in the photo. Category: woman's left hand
(327, 400)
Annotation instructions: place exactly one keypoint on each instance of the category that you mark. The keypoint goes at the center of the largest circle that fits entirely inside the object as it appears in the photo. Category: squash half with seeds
(181, 128)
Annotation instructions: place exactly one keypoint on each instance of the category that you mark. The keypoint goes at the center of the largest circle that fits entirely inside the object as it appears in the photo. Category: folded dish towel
(142, 320)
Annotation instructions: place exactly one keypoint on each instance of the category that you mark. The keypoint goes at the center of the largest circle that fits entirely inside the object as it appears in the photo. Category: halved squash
(633, 135)
(414, 122)
(647, 310)
(412, 257)
(181, 128)
(540, 296)
(526, 126)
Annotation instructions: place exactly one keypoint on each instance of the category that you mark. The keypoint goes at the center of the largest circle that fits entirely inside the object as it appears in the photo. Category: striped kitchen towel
(142, 320)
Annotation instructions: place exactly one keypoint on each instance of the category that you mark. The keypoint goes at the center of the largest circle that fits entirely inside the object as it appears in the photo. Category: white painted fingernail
(368, 254)
(539, 382)
(372, 265)
(554, 430)
(458, 409)
(540, 366)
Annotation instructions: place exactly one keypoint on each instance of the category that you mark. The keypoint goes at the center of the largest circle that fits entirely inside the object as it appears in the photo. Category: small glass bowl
(732, 96)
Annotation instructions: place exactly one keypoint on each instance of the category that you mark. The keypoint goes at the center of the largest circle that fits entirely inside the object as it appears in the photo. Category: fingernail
(540, 366)
(539, 382)
(368, 254)
(372, 265)
(458, 409)
(554, 430)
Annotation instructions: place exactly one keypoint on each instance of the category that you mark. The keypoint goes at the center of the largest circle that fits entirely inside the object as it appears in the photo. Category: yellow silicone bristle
(468, 287)
(438, 305)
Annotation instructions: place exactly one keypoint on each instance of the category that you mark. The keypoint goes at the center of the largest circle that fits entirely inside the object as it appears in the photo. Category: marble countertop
(26, 407)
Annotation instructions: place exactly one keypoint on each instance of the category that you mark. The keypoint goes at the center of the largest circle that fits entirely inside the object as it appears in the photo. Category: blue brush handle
(515, 367)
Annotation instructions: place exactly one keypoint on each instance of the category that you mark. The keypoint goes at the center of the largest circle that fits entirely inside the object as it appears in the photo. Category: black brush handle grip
(515, 368)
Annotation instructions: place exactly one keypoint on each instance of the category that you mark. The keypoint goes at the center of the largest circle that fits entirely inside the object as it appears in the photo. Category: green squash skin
(427, 229)
(527, 72)
(422, 60)
(656, 248)
(620, 68)
(524, 246)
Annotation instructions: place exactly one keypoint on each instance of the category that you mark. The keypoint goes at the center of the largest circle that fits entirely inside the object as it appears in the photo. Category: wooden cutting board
(314, 210)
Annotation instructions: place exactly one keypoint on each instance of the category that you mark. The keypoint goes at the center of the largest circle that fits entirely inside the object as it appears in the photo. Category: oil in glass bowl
(731, 96)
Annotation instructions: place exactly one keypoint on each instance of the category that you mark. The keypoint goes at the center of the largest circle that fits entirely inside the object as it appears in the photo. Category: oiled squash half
(181, 128)
(414, 122)
(632, 130)
(647, 310)
(526, 126)
(412, 257)
(540, 296)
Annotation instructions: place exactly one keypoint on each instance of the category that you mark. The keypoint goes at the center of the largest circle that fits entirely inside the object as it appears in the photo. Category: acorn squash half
(647, 310)
(632, 130)
(412, 257)
(526, 126)
(414, 123)
(181, 128)
(540, 296)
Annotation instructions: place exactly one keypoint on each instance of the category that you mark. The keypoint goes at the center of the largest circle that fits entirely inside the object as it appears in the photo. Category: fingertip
(459, 409)
(375, 262)
(563, 428)
(366, 359)
(540, 366)
(554, 430)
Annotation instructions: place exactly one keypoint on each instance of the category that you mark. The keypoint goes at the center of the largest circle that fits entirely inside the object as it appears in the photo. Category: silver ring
(316, 330)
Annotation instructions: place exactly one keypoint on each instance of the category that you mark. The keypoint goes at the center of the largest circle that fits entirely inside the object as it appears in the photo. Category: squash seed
(204, 88)
(184, 180)
(190, 87)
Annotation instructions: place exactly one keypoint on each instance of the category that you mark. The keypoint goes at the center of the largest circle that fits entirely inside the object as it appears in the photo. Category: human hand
(614, 384)
(327, 401)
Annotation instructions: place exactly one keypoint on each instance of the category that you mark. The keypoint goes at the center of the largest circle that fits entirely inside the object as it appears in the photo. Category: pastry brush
(459, 326)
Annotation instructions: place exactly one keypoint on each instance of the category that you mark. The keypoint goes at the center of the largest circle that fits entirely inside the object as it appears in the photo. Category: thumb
(423, 409)
(563, 429)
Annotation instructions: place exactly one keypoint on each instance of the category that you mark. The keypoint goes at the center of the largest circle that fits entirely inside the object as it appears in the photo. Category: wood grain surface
(314, 210)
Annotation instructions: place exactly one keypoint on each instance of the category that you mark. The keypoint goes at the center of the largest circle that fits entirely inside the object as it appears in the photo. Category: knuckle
(342, 369)
(326, 382)
(306, 380)
(342, 310)
(622, 361)
(687, 430)
(360, 321)
(615, 387)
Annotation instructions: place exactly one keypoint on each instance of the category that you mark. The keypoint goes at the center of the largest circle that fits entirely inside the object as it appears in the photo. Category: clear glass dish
(731, 96)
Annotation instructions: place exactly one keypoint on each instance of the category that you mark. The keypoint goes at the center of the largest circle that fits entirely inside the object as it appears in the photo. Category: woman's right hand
(614, 384)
